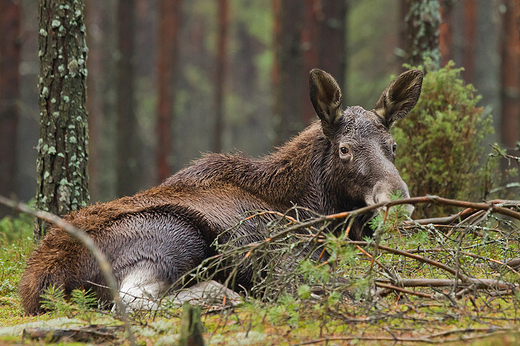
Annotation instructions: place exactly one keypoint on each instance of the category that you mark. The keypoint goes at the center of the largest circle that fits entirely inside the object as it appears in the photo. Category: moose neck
(286, 177)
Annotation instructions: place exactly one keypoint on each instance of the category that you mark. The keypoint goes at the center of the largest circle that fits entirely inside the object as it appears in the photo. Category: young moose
(341, 162)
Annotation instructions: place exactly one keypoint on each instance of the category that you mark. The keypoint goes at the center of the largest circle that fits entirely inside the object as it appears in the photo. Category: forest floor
(401, 290)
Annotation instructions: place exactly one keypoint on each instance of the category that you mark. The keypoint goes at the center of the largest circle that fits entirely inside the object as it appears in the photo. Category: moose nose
(382, 192)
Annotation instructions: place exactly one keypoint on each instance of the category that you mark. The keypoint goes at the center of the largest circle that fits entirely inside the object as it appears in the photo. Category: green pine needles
(81, 305)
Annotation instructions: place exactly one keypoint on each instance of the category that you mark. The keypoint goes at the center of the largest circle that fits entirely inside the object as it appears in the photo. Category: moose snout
(383, 190)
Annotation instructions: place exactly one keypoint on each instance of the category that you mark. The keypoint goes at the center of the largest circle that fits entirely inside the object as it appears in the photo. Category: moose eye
(344, 153)
(394, 148)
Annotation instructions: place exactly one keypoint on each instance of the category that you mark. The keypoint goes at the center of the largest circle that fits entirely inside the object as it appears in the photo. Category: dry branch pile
(463, 268)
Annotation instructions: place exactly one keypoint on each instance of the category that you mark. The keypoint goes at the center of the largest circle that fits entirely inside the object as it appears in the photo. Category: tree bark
(62, 148)
(323, 44)
(93, 19)
(167, 56)
(10, 25)
(404, 9)
(423, 32)
(487, 77)
(509, 126)
(446, 31)
(332, 53)
(288, 81)
(470, 34)
(311, 36)
(223, 24)
(127, 171)
(101, 102)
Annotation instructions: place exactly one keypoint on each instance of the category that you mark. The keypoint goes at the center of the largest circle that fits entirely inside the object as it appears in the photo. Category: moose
(341, 162)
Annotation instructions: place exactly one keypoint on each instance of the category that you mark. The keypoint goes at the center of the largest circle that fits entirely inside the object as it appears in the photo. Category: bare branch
(402, 290)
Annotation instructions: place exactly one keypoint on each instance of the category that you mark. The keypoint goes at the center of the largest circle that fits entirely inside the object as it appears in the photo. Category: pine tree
(423, 21)
(10, 47)
(62, 148)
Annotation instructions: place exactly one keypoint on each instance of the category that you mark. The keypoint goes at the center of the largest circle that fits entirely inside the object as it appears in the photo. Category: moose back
(341, 162)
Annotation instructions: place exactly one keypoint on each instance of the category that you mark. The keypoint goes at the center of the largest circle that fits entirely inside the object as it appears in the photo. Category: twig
(508, 264)
(492, 205)
(270, 212)
(372, 258)
(85, 239)
(479, 283)
(422, 339)
(395, 288)
(467, 330)
(416, 257)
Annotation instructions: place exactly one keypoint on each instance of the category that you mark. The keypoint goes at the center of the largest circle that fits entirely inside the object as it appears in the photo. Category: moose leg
(148, 252)
(160, 249)
(140, 289)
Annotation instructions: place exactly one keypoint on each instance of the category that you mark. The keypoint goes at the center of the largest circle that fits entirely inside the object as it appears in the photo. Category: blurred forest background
(232, 75)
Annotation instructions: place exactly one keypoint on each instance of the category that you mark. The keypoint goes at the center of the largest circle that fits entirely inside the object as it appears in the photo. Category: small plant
(81, 304)
(386, 221)
(440, 141)
(84, 303)
(54, 301)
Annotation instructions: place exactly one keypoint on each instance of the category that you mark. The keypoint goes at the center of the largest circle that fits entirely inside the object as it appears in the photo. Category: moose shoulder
(343, 161)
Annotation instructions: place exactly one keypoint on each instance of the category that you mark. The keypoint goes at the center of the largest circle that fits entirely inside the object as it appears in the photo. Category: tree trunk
(223, 24)
(62, 148)
(93, 19)
(446, 31)
(127, 171)
(404, 9)
(10, 23)
(167, 57)
(509, 127)
(332, 54)
(423, 32)
(323, 44)
(101, 104)
(191, 326)
(470, 34)
(487, 77)
(311, 35)
(288, 81)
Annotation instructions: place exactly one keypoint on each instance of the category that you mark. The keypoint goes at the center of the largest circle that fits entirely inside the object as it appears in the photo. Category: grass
(15, 245)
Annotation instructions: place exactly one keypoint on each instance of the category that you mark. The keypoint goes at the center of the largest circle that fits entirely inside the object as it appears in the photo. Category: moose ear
(326, 99)
(399, 97)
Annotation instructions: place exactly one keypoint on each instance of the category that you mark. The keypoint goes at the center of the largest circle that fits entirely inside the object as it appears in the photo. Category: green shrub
(440, 141)
(13, 229)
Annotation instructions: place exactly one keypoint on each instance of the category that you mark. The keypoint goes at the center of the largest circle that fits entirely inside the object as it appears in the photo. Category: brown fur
(168, 230)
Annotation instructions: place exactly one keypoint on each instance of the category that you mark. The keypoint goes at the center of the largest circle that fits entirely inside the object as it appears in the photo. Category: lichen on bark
(423, 22)
(62, 148)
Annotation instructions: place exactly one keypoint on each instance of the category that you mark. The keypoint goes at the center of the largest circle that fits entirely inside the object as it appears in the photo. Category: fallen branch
(94, 334)
(509, 264)
(402, 290)
(492, 205)
(420, 339)
(478, 283)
